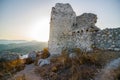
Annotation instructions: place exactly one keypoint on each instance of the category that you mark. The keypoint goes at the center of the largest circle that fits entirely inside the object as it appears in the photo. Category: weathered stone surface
(107, 39)
(69, 31)
(43, 62)
(62, 18)
(85, 26)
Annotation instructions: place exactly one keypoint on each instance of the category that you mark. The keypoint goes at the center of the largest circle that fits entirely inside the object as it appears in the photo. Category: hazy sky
(29, 19)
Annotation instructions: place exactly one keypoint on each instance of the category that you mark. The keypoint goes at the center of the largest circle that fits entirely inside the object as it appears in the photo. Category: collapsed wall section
(84, 30)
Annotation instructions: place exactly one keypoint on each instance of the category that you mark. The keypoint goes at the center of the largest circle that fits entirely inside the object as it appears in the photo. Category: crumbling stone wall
(107, 39)
(70, 31)
(85, 26)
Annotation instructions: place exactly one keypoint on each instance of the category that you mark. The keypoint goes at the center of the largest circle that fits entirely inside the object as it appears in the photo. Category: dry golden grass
(8, 68)
(43, 55)
(82, 67)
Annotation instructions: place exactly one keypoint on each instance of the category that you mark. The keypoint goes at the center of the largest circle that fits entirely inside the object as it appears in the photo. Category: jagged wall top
(86, 18)
(60, 7)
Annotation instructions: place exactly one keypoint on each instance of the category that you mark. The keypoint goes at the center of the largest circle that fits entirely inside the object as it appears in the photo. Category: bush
(45, 53)
(28, 61)
(42, 55)
(10, 67)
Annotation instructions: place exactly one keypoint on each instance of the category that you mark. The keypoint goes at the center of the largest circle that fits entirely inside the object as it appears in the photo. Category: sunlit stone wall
(62, 18)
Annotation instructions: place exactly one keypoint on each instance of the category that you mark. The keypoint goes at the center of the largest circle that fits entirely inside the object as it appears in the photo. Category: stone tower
(62, 19)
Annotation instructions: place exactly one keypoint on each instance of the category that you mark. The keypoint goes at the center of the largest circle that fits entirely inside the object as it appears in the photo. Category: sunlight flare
(39, 30)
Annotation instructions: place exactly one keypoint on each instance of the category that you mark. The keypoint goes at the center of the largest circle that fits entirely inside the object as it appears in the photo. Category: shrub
(28, 61)
(9, 67)
(45, 53)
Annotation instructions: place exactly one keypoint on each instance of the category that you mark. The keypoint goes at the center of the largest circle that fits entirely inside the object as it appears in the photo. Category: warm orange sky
(29, 19)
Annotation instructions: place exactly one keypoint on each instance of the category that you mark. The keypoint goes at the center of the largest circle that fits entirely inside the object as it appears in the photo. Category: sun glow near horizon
(29, 19)
(39, 31)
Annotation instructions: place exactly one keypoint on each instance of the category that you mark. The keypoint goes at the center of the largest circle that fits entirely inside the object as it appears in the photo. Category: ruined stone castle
(69, 31)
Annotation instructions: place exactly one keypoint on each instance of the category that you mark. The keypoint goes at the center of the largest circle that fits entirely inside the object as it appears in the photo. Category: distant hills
(3, 41)
(21, 46)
